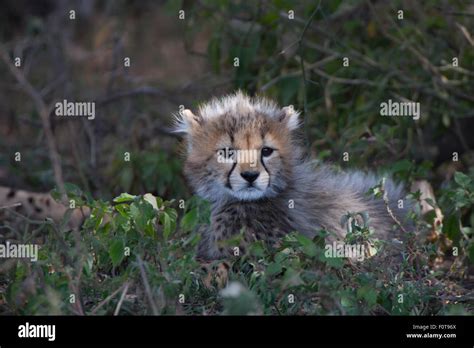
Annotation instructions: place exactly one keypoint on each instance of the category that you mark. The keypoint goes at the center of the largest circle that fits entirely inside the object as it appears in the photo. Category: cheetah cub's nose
(250, 176)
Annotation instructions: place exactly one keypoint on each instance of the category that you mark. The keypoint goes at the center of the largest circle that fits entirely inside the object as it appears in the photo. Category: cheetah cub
(243, 155)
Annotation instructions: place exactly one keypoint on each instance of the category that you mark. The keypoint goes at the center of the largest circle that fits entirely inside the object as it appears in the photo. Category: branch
(466, 34)
(44, 112)
(303, 71)
(389, 211)
(111, 296)
(344, 80)
(147, 286)
(298, 72)
(145, 90)
(124, 293)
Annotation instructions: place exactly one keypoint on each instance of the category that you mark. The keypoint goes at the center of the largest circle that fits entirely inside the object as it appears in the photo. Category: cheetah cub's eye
(230, 153)
(267, 151)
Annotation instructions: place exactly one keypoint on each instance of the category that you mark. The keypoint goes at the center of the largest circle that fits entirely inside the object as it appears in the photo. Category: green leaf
(368, 293)
(193, 239)
(124, 197)
(189, 220)
(462, 179)
(116, 251)
(335, 262)
(452, 229)
(121, 208)
(291, 278)
(173, 214)
(72, 190)
(143, 215)
(134, 211)
(165, 220)
(308, 246)
(401, 166)
(55, 194)
(347, 300)
(274, 268)
(256, 249)
(149, 198)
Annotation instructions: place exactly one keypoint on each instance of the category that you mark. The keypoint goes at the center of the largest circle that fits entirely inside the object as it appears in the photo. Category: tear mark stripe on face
(268, 172)
(228, 185)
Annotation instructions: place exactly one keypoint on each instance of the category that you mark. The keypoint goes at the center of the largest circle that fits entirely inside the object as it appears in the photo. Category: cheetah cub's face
(239, 148)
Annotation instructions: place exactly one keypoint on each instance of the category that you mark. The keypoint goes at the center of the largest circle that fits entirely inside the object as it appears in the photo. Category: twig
(11, 206)
(466, 33)
(122, 297)
(28, 220)
(79, 267)
(147, 286)
(303, 72)
(298, 72)
(389, 211)
(344, 80)
(108, 298)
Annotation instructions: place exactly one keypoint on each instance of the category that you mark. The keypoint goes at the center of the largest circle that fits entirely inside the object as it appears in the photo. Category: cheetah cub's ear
(186, 122)
(290, 117)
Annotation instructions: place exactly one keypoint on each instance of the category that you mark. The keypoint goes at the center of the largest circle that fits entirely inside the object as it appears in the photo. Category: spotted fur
(290, 193)
(37, 206)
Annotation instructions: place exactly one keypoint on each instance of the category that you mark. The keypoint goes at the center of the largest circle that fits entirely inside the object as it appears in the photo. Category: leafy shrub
(140, 244)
